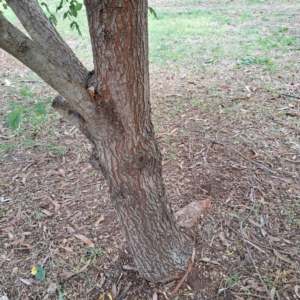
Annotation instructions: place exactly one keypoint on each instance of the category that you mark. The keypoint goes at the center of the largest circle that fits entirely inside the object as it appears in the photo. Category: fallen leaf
(254, 223)
(296, 289)
(283, 257)
(205, 259)
(25, 281)
(263, 232)
(101, 219)
(155, 296)
(55, 203)
(47, 212)
(127, 267)
(223, 239)
(238, 297)
(255, 287)
(62, 172)
(52, 288)
(70, 230)
(68, 249)
(224, 87)
(273, 239)
(85, 240)
(66, 274)
(272, 292)
(106, 296)
(114, 290)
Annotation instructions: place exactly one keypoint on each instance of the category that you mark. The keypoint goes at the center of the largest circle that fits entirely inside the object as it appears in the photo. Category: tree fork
(31, 15)
(16, 43)
(126, 149)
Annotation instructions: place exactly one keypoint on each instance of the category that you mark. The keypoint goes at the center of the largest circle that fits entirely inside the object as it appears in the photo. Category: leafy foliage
(3, 4)
(40, 108)
(38, 272)
(15, 118)
(152, 11)
(72, 7)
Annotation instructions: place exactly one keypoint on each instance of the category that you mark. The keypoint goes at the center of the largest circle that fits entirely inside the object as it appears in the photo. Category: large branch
(13, 41)
(44, 34)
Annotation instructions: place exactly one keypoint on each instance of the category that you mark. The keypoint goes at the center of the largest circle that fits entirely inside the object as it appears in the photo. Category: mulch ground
(240, 147)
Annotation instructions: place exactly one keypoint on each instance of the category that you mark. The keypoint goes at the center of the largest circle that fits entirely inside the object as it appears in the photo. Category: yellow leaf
(110, 296)
(33, 271)
(106, 296)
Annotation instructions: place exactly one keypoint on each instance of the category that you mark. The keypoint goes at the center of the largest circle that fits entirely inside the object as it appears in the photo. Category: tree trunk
(116, 119)
(127, 151)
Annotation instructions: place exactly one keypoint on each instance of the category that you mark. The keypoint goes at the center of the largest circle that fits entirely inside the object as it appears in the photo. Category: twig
(205, 155)
(240, 154)
(292, 96)
(260, 245)
(250, 256)
(219, 289)
(185, 275)
(7, 137)
(250, 295)
(29, 81)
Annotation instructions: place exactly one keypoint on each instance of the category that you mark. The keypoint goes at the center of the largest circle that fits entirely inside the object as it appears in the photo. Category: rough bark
(126, 148)
(44, 34)
(24, 49)
(117, 122)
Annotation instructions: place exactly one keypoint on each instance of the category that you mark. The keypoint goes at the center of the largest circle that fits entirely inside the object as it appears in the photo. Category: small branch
(45, 35)
(250, 295)
(185, 275)
(260, 245)
(240, 154)
(67, 111)
(7, 137)
(250, 256)
(16, 43)
(222, 290)
(291, 96)
(29, 81)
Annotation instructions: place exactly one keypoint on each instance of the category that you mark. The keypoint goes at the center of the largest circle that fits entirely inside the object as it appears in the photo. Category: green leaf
(59, 6)
(49, 100)
(153, 12)
(41, 273)
(40, 108)
(60, 295)
(78, 6)
(46, 6)
(65, 14)
(75, 25)
(73, 10)
(53, 19)
(15, 118)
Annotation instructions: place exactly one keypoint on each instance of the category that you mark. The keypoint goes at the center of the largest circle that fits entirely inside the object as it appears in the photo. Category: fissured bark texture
(126, 150)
